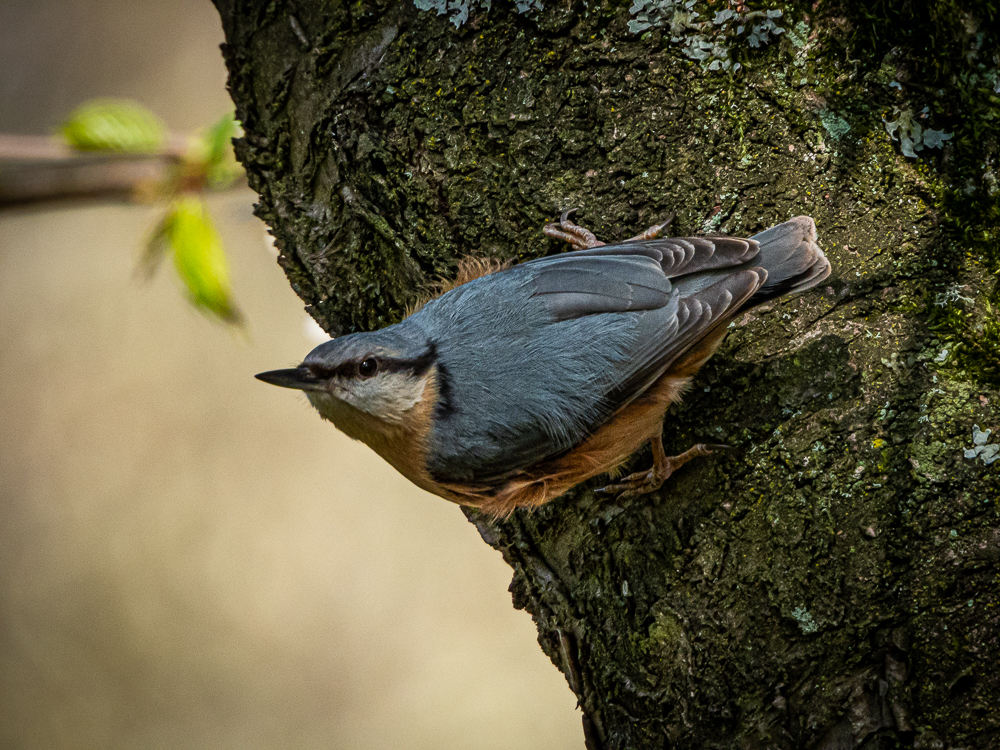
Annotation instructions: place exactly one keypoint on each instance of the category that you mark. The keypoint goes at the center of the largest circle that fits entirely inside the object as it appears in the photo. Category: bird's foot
(644, 482)
(634, 485)
(579, 237)
(582, 238)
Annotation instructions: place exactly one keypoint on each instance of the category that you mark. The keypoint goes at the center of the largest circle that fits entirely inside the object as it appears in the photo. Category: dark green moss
(945, 54)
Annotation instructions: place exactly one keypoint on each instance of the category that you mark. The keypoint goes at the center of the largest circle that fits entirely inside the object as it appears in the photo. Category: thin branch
(41, 169)
(34, 148)
(104, 178)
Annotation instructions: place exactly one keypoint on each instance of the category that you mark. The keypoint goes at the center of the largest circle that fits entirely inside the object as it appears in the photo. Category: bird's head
(381, 374)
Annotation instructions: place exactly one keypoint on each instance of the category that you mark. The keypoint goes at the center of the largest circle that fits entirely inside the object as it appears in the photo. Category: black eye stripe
(353, 368)
(345, 370)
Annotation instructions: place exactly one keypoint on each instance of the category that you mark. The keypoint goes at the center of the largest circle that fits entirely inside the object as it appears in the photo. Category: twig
(41, 169)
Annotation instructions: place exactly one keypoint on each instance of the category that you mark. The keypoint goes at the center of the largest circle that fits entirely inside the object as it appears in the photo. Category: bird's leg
(663, 466)
(579, 237)
(583, 239)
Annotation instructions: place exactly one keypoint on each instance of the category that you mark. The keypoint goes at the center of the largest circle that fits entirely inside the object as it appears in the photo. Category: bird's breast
(402, 443)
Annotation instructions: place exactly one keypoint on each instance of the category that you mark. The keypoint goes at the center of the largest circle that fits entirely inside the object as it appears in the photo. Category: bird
(520, 382)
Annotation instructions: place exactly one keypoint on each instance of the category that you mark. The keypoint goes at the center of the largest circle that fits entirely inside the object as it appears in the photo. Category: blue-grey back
(515, 383)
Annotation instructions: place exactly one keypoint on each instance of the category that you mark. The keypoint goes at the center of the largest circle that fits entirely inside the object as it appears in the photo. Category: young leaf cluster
(185, 232)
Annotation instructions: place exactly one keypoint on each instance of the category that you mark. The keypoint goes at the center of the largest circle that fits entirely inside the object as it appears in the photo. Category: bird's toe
(633, 485)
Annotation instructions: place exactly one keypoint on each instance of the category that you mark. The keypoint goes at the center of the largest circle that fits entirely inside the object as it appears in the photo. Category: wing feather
(696, 317)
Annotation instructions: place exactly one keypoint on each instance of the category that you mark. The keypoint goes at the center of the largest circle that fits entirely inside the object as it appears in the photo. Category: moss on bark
(833, 583)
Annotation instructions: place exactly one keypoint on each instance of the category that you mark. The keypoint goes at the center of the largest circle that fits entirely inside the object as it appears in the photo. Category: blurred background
(190, 558)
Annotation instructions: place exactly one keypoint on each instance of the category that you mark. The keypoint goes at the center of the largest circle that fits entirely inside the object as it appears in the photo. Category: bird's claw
(634, 485)
(582, 238)
(654, 231)
(644, 482)
(579, 237)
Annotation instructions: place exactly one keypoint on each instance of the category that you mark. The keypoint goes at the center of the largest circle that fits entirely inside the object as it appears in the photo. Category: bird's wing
(631, 276)
(636, 277)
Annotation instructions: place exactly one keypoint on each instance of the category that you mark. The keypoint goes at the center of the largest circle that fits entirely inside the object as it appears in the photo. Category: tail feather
(791, 257)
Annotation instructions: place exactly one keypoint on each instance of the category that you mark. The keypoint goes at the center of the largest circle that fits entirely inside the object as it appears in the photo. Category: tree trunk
(833, 583)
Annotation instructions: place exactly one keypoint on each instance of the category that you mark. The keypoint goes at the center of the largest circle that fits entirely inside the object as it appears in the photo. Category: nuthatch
(521, 382)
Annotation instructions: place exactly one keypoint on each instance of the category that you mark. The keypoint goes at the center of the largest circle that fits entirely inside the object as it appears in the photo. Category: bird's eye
(368, 367)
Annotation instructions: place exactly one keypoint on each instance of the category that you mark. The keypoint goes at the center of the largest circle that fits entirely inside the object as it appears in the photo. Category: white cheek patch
(388, 396)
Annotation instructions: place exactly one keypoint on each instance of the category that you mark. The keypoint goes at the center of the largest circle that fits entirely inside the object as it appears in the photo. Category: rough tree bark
(832, 584)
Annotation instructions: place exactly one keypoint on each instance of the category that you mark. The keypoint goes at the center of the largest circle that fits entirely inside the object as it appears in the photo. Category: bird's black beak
(298, 378)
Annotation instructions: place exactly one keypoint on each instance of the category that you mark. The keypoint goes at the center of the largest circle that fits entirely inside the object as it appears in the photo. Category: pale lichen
(981, 449)
(913, 136)
(706, 41)
(806, 622)
(835, 125)
(951, 294)
(458, 10)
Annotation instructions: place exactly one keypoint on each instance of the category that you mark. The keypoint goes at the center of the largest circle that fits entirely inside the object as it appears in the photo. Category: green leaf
(218, 139)
(114, 125)
(213, 151)
(199, 258)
